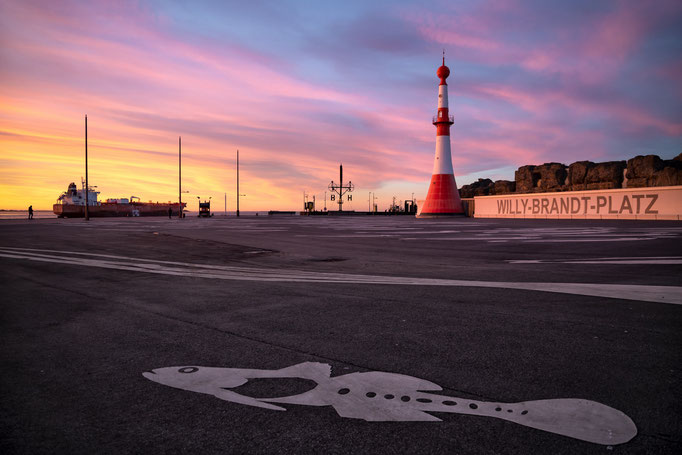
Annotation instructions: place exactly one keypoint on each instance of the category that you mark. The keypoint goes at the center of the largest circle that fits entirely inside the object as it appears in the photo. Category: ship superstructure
(75, 196)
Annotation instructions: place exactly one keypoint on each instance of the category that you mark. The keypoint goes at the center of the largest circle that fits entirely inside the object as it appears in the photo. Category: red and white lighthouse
(442, 198)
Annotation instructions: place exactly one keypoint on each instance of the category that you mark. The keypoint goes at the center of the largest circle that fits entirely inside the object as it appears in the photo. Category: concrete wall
(468, 206)
(655, 203)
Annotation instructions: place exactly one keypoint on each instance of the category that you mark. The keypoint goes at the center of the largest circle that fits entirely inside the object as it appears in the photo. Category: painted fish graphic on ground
(380, 396)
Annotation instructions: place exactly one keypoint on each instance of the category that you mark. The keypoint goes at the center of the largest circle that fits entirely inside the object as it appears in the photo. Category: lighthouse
(442, 198)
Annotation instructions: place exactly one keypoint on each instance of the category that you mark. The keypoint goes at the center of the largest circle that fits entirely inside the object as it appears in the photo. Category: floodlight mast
(237, 182)
(87, 187)
(341, 189)
(180, 175)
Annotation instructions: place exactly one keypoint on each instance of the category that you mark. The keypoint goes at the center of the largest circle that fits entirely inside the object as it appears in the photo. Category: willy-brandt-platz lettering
(636, 204)
(645, 203)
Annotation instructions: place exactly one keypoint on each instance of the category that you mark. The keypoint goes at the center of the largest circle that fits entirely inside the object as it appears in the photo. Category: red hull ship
(71, 204)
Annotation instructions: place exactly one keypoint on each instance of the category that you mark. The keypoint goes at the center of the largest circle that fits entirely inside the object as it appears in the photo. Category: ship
(71, 204)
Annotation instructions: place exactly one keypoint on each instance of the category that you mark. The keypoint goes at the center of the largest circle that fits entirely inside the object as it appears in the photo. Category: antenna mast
(341, 189)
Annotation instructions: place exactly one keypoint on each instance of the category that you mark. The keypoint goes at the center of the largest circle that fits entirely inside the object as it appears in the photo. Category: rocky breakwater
(637, 172)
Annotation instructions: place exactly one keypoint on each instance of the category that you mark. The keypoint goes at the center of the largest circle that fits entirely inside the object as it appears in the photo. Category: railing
(437, 119)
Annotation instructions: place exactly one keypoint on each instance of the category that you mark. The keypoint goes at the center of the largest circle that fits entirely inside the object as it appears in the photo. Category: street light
(238, 183)
(87, 212)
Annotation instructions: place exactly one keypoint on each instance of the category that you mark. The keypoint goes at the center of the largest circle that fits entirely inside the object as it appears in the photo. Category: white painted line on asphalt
(354, 236)
(479, 239)
(378, 396)
(579, 240)
(646, 293)
(427, 232)
(660, 260)
(249, 230)
(531, 239)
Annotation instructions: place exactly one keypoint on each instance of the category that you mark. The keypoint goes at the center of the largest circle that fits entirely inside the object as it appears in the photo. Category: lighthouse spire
(442, 198)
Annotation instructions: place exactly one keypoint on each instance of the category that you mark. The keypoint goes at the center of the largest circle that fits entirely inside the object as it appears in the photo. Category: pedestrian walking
(30, 212)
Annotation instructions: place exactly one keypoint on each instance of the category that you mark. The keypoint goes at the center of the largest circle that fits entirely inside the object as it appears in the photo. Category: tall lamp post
(87, 212)
(237, 182)
(180, 175)
(180, 214)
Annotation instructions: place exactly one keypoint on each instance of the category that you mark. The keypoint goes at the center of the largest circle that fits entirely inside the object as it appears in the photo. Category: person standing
(170, 212)
(30, 212)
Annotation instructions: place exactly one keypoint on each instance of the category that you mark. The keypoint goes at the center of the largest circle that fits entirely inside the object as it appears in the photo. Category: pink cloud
(542, 102)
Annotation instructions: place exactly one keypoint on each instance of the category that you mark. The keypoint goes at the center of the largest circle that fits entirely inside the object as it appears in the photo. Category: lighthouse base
(442, 198)
(438, 215)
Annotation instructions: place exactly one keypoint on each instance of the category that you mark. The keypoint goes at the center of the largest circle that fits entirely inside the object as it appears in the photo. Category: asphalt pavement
(492, 311)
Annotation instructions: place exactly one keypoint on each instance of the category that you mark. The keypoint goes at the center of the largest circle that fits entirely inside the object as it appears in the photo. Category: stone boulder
(525, 178)
(644, 167)
(482, 187)
(668, 176)
(637, 182)
(577, 173)
(605, 176)
(503, 187)
(552, 176)
(465, 192)
(545, 177)
(671, 174)
(650, 170)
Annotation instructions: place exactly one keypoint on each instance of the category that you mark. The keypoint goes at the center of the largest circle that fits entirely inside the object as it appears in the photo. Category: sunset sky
(301, 86)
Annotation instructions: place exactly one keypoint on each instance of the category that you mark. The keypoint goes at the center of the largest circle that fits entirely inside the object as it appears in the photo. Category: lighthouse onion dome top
(443, 72)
